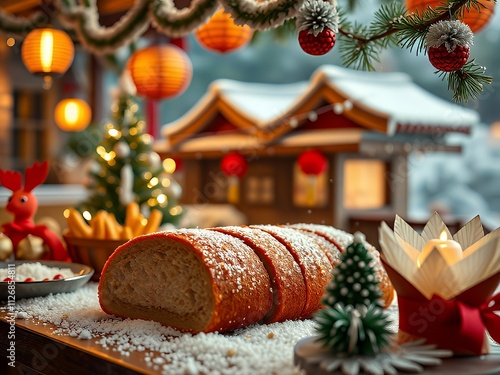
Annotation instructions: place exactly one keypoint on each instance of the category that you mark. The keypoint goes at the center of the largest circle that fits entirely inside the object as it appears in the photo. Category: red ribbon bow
(451, 324)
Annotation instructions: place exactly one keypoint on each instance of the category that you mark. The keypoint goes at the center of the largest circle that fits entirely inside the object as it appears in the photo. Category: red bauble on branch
(312, 162)
(317, 23)
(448, 45)
(234, 164)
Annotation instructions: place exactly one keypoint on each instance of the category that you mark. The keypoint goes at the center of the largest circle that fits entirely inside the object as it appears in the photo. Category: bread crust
(341, 240)
(240, 284)
(289, 290)
(315, 266)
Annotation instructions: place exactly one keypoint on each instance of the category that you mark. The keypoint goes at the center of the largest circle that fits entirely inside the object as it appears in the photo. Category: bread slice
(289, 290)
(331, 251)
(314, 265)
(192, 280)
(342, 240)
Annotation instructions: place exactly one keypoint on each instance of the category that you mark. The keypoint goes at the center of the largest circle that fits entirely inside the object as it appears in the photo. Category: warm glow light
(66, 213)
(169, 165)
(364, 184)
(114, 133)
(11, 42)
(443, 236)
(162, 198)
(86, 215)
(73, 114)
(176, 210)
(221, 34)
(47, 51)
(153, 182)
(160, 72)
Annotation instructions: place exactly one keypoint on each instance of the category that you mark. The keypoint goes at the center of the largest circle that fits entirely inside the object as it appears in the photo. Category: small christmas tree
(127, 169)
(353, 321)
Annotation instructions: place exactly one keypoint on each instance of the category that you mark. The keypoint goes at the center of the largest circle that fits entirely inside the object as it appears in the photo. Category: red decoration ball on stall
(234, 164)
(312, 162)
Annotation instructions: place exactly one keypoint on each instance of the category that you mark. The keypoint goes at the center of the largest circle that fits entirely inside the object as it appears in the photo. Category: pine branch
(467, 82)
(361, 46)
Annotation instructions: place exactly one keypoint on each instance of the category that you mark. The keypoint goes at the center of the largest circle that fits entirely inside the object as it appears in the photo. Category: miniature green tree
(353, 321)
(127, 169)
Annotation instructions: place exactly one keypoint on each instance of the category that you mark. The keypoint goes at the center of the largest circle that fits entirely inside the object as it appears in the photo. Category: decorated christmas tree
(128, 170)
(353, 321)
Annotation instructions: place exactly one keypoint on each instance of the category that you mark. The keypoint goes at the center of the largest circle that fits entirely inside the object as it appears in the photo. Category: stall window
(365, 185)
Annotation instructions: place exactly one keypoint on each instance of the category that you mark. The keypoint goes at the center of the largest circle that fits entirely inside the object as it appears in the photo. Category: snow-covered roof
(398, 96)
(386, 102)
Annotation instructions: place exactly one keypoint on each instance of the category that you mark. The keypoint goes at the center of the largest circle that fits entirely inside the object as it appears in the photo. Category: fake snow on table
(258, 349)
(37, 271)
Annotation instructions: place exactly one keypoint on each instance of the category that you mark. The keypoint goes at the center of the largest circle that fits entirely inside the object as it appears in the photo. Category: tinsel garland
(261, 15)
(83, 19)
(19, 26)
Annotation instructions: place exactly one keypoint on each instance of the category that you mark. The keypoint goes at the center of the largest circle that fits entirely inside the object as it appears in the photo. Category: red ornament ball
(317, 45)
(312, 162)
(234, 164)
(446, 61)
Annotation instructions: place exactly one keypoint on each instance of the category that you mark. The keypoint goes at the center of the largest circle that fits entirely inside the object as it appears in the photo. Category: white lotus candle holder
(445, 284)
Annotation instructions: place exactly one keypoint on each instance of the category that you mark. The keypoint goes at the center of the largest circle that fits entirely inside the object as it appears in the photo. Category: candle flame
(443, 236)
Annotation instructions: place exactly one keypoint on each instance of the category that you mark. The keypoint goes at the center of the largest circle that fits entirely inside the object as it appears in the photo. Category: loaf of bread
(220, 279)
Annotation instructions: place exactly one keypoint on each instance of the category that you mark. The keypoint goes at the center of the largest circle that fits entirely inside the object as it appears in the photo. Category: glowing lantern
(234, 165)
(221, 34)
(312, 163)
(47, 52)
(73, 115)
(160, 72)
(475, 19)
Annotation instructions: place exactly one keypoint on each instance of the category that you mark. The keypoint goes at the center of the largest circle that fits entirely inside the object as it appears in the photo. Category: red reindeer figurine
(23, 205)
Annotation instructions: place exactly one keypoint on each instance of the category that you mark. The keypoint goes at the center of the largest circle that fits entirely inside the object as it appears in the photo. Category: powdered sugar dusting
(258, 349)
(315, 266)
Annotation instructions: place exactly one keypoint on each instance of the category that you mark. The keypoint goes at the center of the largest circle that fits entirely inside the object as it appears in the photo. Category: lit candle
(450, 250)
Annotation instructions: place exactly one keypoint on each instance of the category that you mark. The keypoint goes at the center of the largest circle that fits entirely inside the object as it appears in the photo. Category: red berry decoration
(317, 45)
(58, 277)
(46, 279)
(317, 22)
(7, 279)
(448, 45)
(446, 61)
(29, 280)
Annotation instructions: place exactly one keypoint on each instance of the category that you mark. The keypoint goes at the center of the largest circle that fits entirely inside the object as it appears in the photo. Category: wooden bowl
(91, 252)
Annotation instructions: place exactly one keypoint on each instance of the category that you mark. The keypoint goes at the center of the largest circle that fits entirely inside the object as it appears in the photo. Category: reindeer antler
(35, 175)
(11, 180)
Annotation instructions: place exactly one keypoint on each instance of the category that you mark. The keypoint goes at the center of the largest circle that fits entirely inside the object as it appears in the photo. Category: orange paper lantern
(160, 72)
(476, 20)
(73, 115)
(47, 52)
(221, 34)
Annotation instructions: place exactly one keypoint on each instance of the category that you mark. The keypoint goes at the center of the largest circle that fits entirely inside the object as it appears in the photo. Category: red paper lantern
(160, 72)
(221, 34)
(234, 164)
(476, 20)
(312, 162)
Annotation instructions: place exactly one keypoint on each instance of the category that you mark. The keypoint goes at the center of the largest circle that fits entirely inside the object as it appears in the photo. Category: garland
(359, 46)
(84, 20)
(169, 20)
(262, 15)
(20, 26)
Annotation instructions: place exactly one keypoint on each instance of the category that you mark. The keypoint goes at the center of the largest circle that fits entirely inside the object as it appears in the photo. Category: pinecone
(445, 61)
(448, 45)
(317, 45)
(317, 23)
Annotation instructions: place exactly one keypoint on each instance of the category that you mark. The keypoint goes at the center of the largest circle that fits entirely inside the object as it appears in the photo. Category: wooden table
(37, 350)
